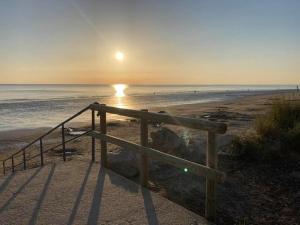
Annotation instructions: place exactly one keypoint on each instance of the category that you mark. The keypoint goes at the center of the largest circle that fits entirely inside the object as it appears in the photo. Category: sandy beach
(239, 197)
(238, 114)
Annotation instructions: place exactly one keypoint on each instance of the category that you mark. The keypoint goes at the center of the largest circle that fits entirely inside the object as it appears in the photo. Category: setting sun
(119, 88)
(119, 56)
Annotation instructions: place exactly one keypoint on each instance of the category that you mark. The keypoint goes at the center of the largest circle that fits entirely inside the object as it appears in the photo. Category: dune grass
(277, 133)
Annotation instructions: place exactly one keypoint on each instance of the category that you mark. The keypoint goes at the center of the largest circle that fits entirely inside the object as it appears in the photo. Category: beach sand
(238, 114)
(240, 196)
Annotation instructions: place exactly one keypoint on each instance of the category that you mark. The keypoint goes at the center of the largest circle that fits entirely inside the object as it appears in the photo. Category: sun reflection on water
(120, 89)
(119, 95)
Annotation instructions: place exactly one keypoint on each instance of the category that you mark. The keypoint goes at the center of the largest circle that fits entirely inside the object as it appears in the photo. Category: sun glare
(120, 88)
(119, 56)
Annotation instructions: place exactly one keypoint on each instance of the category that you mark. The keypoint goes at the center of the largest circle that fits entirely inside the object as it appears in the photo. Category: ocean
(31, 106)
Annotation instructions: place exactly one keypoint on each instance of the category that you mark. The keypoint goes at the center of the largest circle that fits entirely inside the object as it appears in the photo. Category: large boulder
(168, 141)
(124, 162)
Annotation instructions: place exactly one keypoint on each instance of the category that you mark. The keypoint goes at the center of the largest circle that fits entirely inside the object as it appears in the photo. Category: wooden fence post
(24, 160)
(63, 141)
(144, 158)
(41, 152)
(103, 131)
(12, 164)
(211, 161)
(93, 139)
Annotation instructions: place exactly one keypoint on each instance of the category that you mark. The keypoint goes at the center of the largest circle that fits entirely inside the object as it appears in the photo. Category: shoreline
(165, 108)
(238, 114)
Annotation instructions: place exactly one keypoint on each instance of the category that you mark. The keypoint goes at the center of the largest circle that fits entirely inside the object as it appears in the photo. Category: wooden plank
(63, 141)
(103, 130)
(164, 118)
(144, 170)
(93, 139)
(161, 156)
(211, 162)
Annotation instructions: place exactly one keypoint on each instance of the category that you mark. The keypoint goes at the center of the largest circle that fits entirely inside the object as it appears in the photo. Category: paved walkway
(78, 192)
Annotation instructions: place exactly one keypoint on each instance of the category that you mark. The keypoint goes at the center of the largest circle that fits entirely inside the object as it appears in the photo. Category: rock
(124, 162)
(168, 141)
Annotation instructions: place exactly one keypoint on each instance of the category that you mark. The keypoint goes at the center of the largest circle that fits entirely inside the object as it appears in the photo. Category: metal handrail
(44, 135)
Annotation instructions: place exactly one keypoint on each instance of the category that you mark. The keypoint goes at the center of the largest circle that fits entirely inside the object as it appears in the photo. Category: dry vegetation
(277, 133)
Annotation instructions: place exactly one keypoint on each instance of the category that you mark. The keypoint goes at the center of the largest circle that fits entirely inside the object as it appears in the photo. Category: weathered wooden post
(24, 159)
(12, 164)
(102, 114)
(63, 141)
(144, 158)
(93, 139)
(211, 161)
(41, 152)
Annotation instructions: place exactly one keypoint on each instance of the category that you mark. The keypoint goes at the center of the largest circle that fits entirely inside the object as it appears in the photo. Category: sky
(164, 41)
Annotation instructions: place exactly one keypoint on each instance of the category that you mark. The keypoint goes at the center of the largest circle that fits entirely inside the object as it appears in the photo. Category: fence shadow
(79, 196)
(149, 207)
(19, 190)
(6, 182)
(42, 197)
(96, 203)
(122, 182)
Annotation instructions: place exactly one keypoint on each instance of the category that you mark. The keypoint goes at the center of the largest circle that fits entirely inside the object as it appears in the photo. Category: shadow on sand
(95, 208)
(6, 182)
(19, 190)
(96, 203)
(149, 207)
(42, 197)
(79, 196)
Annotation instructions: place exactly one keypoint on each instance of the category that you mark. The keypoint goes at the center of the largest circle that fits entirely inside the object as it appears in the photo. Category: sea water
(30, 106)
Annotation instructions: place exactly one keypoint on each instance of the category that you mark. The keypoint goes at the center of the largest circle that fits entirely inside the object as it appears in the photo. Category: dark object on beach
(133, 120)
(114, 124)
(168, 141)
(69, 151)
(225, 115)
(157, 125)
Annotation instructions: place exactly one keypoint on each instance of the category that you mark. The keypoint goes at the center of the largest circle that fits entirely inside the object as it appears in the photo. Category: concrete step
(80, 192)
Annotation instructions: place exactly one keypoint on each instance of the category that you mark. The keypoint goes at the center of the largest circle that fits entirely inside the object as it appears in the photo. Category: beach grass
(277, 132)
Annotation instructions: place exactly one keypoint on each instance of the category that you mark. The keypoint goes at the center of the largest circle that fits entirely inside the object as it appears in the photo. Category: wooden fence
(210, 171)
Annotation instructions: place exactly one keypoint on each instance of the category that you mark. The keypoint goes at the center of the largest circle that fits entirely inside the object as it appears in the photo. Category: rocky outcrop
(168, 141)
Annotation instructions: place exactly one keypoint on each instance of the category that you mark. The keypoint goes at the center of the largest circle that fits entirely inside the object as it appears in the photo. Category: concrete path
(78, 192)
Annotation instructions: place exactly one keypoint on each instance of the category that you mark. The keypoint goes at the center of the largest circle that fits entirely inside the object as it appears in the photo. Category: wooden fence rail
(210, 171)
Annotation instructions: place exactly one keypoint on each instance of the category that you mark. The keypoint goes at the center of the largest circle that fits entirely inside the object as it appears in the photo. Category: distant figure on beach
(297, 88)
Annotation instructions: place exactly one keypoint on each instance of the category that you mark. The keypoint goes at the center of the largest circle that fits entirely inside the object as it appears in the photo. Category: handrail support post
(41, 152)
(3, 163)
(211, 161)
(103, 130)
(93, 139)
(63, 141)
(144, 170)
(12, 164)
(24, 159)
